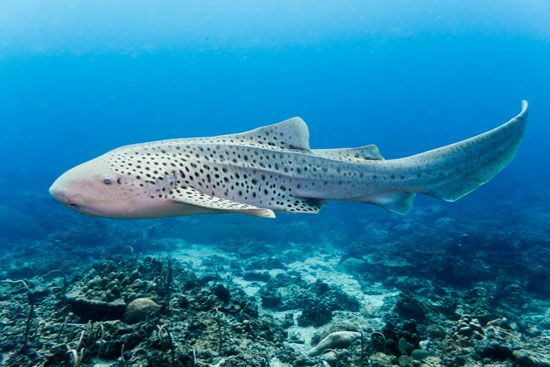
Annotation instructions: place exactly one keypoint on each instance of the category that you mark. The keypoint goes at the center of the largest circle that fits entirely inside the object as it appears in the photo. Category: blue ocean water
(80, 78)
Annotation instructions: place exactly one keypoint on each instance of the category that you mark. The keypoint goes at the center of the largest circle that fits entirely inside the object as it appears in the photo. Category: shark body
(273, 168)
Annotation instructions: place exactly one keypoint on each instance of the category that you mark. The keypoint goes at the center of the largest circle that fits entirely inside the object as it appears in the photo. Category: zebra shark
(272, 168)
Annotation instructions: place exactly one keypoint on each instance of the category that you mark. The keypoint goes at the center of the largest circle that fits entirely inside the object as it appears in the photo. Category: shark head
(95, 188)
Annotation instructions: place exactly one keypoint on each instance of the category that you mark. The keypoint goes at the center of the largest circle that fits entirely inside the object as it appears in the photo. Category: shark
(273, 169)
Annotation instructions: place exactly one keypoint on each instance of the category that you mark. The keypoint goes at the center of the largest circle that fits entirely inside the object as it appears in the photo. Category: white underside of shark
(273, 168)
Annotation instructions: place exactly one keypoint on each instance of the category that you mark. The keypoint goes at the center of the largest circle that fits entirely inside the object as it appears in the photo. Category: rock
(435, 331)
(466, 331)
(338, 339)
(288, 321)
(382, 360)
(315, 314)
(409, 307)
(267, 263)
(140, 309)
(469, 327)
(404, 346)
(244, 361)
(394, 332)
(528, 358)
(275, 362)
(498, 342)
(432, 361)
(95, 310)
(353, 265)
(405, 361)
(420, 354)
(494, 351)
(331, 358)
(261, 276)
(222, 293)
(270, 297)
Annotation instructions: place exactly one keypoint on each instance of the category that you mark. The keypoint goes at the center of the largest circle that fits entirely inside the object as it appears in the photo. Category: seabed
(447, 285)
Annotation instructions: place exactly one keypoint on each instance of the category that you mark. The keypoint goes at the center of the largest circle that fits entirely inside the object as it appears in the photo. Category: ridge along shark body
(272, 168)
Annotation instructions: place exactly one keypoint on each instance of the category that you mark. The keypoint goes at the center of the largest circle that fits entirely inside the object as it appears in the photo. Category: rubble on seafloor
(131, 310)
(424, 290)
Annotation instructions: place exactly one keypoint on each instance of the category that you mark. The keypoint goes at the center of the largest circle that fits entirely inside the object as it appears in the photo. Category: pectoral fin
(191, 196)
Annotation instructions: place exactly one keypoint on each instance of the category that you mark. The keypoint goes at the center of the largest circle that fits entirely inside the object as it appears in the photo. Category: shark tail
(455, 170)
(452, 171)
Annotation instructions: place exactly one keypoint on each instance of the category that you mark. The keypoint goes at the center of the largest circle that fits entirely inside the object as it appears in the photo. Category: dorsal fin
(289, 134)
(359, 154)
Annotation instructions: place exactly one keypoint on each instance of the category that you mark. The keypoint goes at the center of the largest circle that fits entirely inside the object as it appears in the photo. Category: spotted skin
(272, 168)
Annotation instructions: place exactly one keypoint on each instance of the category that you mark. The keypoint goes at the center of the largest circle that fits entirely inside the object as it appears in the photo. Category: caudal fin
(452, 171)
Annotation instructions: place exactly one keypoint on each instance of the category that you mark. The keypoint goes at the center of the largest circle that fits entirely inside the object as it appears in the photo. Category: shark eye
(107, 181)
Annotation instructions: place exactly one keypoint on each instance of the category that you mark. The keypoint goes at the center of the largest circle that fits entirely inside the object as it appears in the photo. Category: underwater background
(449, 284)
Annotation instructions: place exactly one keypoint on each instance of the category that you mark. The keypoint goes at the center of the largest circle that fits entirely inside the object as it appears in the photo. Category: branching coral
(62, 274)
(31, 300)
(74, 356)
(165, 338)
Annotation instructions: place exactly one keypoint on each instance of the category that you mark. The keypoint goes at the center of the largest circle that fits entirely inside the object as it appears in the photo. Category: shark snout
(60, 190)
(88, 188)
(58, 193)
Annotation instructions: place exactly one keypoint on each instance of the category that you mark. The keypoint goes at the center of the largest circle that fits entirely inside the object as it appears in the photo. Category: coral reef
(441, 287)
(316, 300)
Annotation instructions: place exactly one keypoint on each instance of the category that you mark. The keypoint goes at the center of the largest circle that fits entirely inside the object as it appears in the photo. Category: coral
(314, 313)
(31, 298)
(140, 309)
(408, 307)
(532, 358)
(382, 360)
(95, 310)
(421, 354)
(222, 293)
(463, 333)
(268, 262)
(400, 338)
(336, 340)
(317, 300)
(440, 287)
(498, 342)
(257, 276)
(432, 361)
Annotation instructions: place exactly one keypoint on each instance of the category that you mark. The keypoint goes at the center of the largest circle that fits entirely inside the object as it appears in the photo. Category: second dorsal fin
(359, 154)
